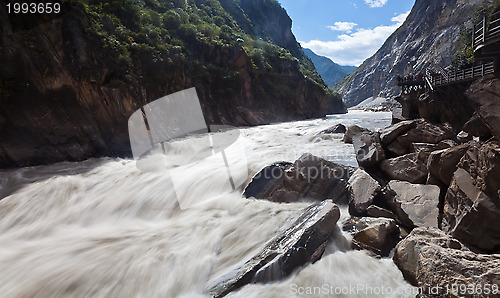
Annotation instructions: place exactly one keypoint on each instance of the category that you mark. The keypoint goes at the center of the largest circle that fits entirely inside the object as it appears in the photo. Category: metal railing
(463, 75)
(485, 30)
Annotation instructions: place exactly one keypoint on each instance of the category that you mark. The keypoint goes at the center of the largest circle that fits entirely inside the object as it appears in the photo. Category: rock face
(426, 38)
(429, 258)
(406, 168)
(415, 205)
(443, 163)
(69, 94)
(485, 96)
(369, 151)
(351, 131)
(378, 235)
(362, 191)
(472, 203)
(304, 242)
(309, 178)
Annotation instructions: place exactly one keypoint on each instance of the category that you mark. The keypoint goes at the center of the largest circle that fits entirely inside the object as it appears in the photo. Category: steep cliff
(426, 38)
(69, 81)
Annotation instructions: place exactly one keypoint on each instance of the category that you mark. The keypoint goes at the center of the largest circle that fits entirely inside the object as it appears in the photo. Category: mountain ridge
(330, 71)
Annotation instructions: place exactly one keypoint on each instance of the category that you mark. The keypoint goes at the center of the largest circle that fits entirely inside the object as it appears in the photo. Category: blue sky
(346, 31)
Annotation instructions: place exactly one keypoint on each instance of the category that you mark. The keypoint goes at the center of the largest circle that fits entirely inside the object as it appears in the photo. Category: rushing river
(103, 228)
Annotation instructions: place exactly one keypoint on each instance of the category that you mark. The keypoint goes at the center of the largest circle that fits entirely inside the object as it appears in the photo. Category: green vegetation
(464, 57)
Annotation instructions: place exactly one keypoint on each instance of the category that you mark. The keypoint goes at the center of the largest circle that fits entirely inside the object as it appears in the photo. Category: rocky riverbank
(426, 193)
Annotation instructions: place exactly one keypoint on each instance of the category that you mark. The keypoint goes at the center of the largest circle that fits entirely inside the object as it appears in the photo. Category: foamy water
(103, 228)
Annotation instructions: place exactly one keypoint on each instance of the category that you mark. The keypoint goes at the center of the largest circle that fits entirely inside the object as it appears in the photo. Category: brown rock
(415, 205)
(362, 190)
(309, 178)
(443, 163)
(304, 242)
(425, 132)
(406, 168)
(390, 133)
(337, 128)
(429, 258)
(376, 211)
(485, 96)
(351, 131)
(378, 235)
(369, 151)
(476, 127)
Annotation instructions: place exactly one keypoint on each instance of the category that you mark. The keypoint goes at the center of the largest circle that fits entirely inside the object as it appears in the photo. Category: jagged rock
(309, 178)
(378, 235)
(337, 128)
(390, 133)
(485, 96)
(415, 205)
(351, 131)
(396, 148)
(433, 260)
(443, 163)
(472, 203)
(463, 137)
(476, 127)
(304, 242)
(376, 211)
(369, 151)
(407, 168)
(362, 190)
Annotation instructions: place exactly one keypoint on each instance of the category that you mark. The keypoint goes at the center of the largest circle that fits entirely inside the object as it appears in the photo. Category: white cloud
(375, 3)
(343, 26)
(354, 48)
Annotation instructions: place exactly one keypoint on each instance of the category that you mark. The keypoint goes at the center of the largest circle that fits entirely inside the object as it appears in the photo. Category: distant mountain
(427, 38)
(330, 71)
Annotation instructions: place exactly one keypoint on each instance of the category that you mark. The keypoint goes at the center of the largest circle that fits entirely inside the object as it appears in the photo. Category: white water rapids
(103, 228)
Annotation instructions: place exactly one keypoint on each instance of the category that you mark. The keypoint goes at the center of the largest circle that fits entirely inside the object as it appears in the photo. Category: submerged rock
(337, 128)
(415, 205)
(309, 178)
(362, 191)
(369, 151)
(431, 259)
(304, 242)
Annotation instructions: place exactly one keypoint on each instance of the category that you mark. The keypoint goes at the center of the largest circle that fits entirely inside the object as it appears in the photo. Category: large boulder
(369, 151)
(390, 133)
(485, 97)
(472, 202)
(408, 167)
(378, 235)
(425, 132)
(302, 243)
(351, 131)
(415, 205)
(443, 163)
(362, 191)
(337, 128)
(476, 127)
(442, 266)
(309, 178)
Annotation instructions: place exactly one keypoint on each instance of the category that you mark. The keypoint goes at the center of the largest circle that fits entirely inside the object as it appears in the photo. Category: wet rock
(378, 235)
(351, 131)
(390, 133)
(304, 242)
(407, 168)
(362, 190)
(337, 128)
(376, 211)
(415, 205)
(463, 137)
(309, 178)
(472, 203)
(443, 163)
(369, 151)
(429, 258)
